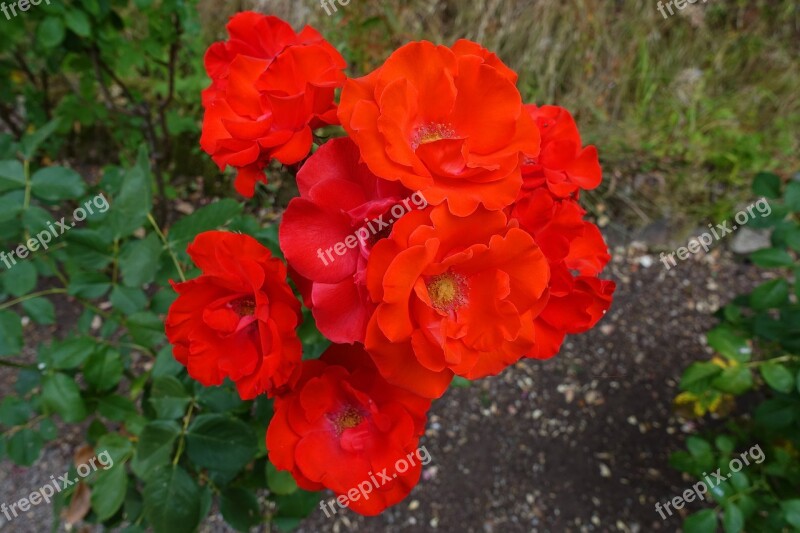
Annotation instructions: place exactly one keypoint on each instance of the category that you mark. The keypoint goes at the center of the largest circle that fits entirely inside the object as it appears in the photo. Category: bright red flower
(270, 87)
(237, 319)
(563, 165)
(455, 296)
(342, 424)
(448, 122)
(576, 301)
(327, 233)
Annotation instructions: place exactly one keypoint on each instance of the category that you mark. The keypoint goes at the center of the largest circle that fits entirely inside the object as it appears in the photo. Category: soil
(576, 443)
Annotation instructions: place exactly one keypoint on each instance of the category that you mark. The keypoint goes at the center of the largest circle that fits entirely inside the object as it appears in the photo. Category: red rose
(327, 233)
(448, 122)
(576, 301)
(270, 87)
(342, 426)
(562, 164)
(455, 296)
(237, 319)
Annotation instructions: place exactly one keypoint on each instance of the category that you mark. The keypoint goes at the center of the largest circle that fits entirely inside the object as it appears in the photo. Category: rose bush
(442, 236)
(501, 265)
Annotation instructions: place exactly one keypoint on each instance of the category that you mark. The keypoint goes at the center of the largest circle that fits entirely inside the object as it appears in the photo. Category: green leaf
(109, 491)
(221, 443)
(222, 399)
(791, 511)
(732, 520)
(777, 376)
(793, 238)
(172, 501)
(48, 429)
(770, 294)
(146, 328)
(295, 507)
(724, 444)
(697, 377)
(10, 333)
(11, 205)
(739, 480)
(116, 408)
(12, 175)
(133, 203)
(240, 508)
(792, 197)
(734, 380)
(66, 354)
(60, 394)
(53, 184)
(169, 398)
(767, 184)
(21, 279)
(166, 364)
(156, 442)
(89, 285)
(24, 447)
(775, 414)
(206, 218)
(78, 22)
(14, 411)
(280, 482)
(31, 142)
(40, 310)
(50, 32)
(772, 258)
(460, 383)
(128, 300)
(104, 368)
(729, 344)
(701, 522)
(118, 447)
(138, 261)
(37, 220)
(699, 448)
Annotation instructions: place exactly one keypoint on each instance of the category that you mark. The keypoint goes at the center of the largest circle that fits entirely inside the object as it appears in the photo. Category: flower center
(447, 291)
(428, 133)
(245, 306)
(347, 419)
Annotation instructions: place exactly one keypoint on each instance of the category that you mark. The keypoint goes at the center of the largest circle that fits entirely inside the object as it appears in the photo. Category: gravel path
(576, 443)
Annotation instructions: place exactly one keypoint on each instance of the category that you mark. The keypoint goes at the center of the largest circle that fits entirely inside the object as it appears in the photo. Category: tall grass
(684, 110)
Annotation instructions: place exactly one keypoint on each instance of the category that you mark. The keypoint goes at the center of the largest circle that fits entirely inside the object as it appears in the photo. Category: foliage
(176, 445)
(758, 361)
(116, 74)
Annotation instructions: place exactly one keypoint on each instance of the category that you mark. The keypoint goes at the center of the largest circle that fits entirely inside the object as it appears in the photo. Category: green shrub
(757, 343)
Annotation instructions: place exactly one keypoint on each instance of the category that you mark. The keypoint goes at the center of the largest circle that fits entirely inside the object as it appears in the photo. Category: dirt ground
(576, 443)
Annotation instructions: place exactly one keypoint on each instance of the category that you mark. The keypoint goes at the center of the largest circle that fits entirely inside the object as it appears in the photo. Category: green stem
(167, 245)
(26, 166)
(134, 346)
(182, 441)
(28, 424)
(781, 359)
(12, 364)
(116, 262)
(31, 296)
